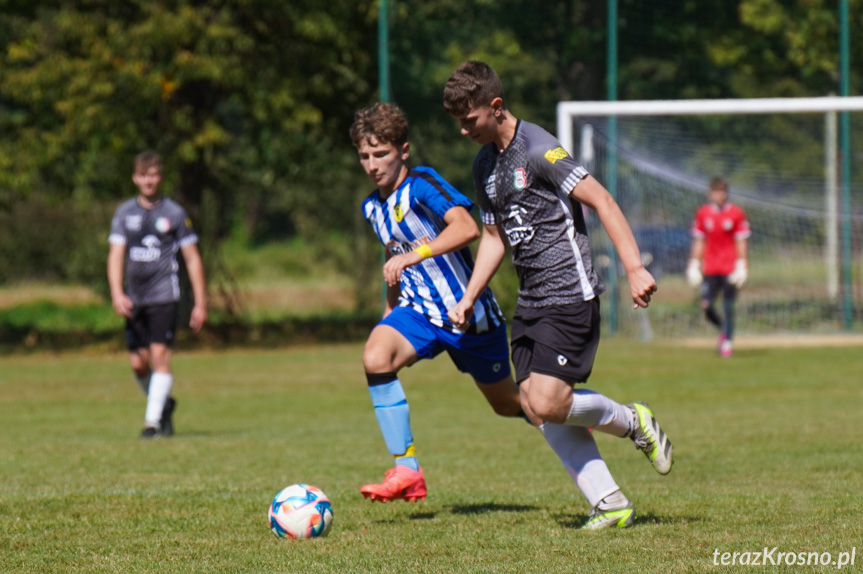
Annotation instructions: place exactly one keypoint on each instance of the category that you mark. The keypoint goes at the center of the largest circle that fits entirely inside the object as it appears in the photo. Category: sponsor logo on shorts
(555, 154)
(496, 367)
(561, 360)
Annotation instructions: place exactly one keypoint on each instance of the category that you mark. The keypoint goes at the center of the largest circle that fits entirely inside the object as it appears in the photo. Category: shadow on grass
(490, 507)
(576, 521)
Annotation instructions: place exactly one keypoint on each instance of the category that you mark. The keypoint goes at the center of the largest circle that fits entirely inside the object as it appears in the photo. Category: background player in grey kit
(146, 233)
(530, 193)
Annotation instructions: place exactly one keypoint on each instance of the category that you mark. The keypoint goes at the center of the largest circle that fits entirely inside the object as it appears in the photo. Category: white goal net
(783, 161)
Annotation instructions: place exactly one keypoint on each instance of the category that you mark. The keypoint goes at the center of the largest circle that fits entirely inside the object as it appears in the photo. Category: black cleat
(166, 424)
(149, 432)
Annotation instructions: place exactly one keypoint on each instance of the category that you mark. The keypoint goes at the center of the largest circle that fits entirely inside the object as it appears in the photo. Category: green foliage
(250, 423)
(54, 240)
(250, 102)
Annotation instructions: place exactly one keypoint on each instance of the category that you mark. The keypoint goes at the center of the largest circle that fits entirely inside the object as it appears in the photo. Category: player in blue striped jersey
(426, 227)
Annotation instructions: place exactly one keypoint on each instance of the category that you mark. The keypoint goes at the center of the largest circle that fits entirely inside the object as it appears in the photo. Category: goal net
(783, 163)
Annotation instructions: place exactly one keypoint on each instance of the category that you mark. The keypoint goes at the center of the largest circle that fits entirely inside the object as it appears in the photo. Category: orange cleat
(401, 483)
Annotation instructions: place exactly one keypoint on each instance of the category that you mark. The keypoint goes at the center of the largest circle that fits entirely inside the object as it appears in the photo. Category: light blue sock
(393, 414)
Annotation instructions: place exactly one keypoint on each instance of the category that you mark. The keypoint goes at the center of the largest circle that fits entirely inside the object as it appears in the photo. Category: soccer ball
(300, 511)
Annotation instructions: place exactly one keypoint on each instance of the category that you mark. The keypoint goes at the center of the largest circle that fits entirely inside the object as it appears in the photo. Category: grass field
(767, 444)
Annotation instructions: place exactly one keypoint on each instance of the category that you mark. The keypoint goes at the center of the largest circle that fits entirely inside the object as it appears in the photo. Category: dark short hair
(147, 159)
(473, 84)
(719, 183)
(385, 122)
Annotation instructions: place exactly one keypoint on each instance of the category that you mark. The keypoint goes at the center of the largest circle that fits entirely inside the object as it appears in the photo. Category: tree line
(249, 101)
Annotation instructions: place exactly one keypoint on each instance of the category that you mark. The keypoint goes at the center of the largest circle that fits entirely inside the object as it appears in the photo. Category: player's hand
(396, 264)
(198, 318)
(122, 305)
(740, 274)
(462, 312)
(693, 273)
(642, 286)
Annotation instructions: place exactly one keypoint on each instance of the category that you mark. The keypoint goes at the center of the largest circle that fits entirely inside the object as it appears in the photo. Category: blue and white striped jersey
(412, 216)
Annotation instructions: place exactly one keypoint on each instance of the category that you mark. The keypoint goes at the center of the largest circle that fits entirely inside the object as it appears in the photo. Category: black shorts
(151, 324)
(557, 341)
(714, 284)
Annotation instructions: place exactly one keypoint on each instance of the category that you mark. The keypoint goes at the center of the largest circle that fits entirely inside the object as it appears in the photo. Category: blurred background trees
(249, 102)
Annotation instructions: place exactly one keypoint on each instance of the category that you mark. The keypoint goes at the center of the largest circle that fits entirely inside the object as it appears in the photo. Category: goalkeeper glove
(693, 273)
(740, 274)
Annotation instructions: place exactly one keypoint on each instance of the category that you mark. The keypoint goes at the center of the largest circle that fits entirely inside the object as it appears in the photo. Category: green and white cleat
(620, 518)
(650, 439)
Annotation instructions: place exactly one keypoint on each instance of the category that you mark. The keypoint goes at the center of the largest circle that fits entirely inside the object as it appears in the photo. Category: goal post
(577, 133)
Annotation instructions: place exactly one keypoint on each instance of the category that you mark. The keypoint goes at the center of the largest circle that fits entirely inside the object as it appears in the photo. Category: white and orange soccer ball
(300, 511)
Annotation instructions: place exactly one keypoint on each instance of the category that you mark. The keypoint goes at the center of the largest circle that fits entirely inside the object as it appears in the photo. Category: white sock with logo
(160, 389)
(593, 410)
(577, 450)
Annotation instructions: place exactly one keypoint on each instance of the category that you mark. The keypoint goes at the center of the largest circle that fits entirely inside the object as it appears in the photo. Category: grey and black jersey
(525, 190)
(152, 238)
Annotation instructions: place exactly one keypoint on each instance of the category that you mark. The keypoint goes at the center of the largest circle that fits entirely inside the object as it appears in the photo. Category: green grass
(767, 449)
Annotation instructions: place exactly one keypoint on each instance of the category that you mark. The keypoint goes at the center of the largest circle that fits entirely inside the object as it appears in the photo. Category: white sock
(144, 383)
(160, 389)
(614, 501)
(580, 456)
(593, 410)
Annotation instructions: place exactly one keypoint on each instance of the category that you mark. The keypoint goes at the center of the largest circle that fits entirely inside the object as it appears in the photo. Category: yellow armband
(425, 251)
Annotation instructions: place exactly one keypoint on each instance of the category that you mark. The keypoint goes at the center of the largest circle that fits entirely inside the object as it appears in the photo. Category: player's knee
(378, 361)
(549, 410)
(508, 409)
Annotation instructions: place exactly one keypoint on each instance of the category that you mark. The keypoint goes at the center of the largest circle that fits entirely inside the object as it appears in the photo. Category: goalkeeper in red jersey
(719, 259)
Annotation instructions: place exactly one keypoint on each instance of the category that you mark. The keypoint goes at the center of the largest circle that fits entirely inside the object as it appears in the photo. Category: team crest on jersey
(519, 178)
(727, 224)
(163, 225)
(133, 222)
(555, 154)
(188, 223)
(397, 211)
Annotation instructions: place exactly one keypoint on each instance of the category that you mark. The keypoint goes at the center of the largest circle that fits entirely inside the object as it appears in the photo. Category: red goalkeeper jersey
(720, 227)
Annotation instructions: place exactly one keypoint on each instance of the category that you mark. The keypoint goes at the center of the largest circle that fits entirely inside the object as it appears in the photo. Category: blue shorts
(485, 356)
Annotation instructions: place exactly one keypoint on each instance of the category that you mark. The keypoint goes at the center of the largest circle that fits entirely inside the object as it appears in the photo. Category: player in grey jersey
(531, 192)
(146, 233)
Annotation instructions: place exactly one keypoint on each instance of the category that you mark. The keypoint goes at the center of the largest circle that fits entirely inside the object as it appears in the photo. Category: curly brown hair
(385, 122)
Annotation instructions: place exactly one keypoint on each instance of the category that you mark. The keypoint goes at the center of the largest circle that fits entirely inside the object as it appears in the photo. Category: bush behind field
(46, 325)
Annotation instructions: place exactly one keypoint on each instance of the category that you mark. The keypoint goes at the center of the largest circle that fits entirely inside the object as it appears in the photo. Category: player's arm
(740, 274)
(693, 268)
(116, 260)
(489, 256)
(641, 283)
(460, 230)
(195, 268)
